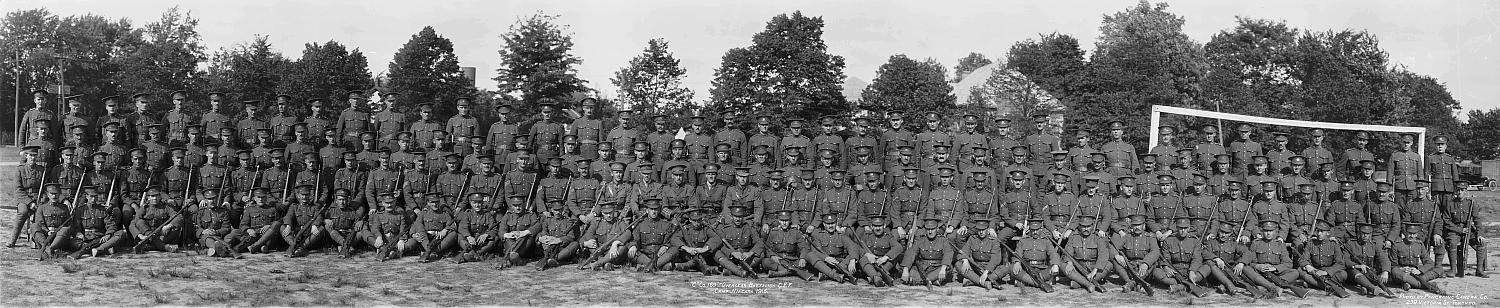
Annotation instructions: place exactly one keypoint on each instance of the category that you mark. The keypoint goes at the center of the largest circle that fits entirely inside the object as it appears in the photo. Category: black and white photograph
(777, 153)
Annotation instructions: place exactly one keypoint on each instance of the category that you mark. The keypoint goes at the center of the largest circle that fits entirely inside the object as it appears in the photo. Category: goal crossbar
(1157, 110)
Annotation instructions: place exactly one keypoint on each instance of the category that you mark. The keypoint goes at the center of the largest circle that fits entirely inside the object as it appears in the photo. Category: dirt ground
(185, 279)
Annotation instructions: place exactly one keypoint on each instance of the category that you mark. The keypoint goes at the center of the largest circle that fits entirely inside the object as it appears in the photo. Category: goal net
(1157, 110)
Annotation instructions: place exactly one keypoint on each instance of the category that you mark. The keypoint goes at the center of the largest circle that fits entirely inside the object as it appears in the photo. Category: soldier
(945, 201)
(258, 224)
(1002, 142)
(832, 252)
(387, 228)
(211, 217)
(609, 234)
(774, 197)
(1036, 260)
(518, 229)
(344, 220)
(1405, 166)
(477, 227)
(75, 120)
(1422, 209)
(1279, 155)
(1272, 261)
(1059, 202)
(872, 199)
(1269, 206)
(1181, 253)
(98, 224)
(250, 120)
(865, 143)
(1462, 229)
(282, 118)
(433, 229)
(1442, 169)
(928, 254)
(156, 222)
(785, 246)
(556, 234)
(1371, 264)
(651, 237)
(933, 135)
(1383, 210)
(583, 190)
(794, 143)
(317, 119)
(351, 121)
(1020, 203)
(1344, 208)
(116, 116)
(462, 123)
(880, 250)
(1226, 255)
(41, 109)
(729, 133)
(894, 135)
(1302, 213)
(1355, 157)
(1136, 250)
(1413, 264)
(979, 260)
(546, 131)
(937, 158)
(142, 117)
(910, 197)
(1324, 261)
(52, 224)
(689, 245)
(1164, 206)
(624, 135)
(743, 246)
(300, 143)
(970, 137)
(1042, 141)
(838, 200)
(1082, 153)
(302, 226)
(764, 137)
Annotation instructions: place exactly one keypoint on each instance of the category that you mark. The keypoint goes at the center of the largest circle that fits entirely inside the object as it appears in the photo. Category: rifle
(651, 268)
(886, 277)
(836, 267)
(52, 236)
(1274, 279)
(1046, 286)
(603, 247)
(749, 270)
(36, 200)
(1130, 273)
(1074, 262)
(913, 224)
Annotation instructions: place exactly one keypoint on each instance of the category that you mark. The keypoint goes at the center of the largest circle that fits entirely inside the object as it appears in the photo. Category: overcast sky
(1454, 41)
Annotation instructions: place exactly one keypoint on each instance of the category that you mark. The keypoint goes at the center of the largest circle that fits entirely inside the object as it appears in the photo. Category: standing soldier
(1279, 155)
(1355, 156)
(894, 135)
(178, 118)
(75, 119)
(588, 128)
(864, 137)
(1423, 210)
(1042, 142)
(142, 116)
(352, 122)
(463, 124)
(662, 139)
(624, 135)
(282, 119)
(1442, 169)
(41, 109)
(385, 121)
(1244, 148)
(502, 131)
(1316, 153)
(730, 133)
(300, 144)
(421, 130)
(1413, 264)
(699, 141)
(1462, 230)
(1121, 154)
(1002, 143)
(1083, 153)
(1405, 166)
(763, 137)
(933, 135)
(970, 137)
(250, 120)
(317, 119)
(1209, 148)
(795, 141)
(1165, 147)
(125, 125)
(546, 131)
(829, 139)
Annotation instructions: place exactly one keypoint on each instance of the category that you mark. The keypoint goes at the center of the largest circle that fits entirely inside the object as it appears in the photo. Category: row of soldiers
(1084, 243)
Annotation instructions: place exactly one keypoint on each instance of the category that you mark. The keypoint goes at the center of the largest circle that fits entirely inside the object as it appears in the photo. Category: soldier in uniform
(785, 245)
(1180, 252)
(1082, 153)
(1405, 166)
(609, 233)
(1164, 206)
(894, 134)
(743, 245)
(211, 218)
(831, 251)
(928, 255)
(1316, 153)
(302, 226)
(1355, 156)
(652, 235)
(1462, 230)
(388, 228)
(477, 227)
(556, 234)
(433, 229)
(143, 117)
(1383, 210)
(1165, 147)
(51, 225)
(1136, 250)
(1087, 252)
(1412, 264)
(945, 201)
(462, 124)
(979, 260)
(260, 221)
(837, 199)
(344, 220)
(864, 138)
(1344, 208)
(1323, 259)
(40, 110)
(1280, 156)
(1368, 258)
(1271, 265)
(351, 121)
(282, 120)
(699, 141)
(1442, 169)
(970, 138)
(764, 137)
(880, 250)
(1042, 141)
(98, 224)
(691, 246)
(932, 135)
(729, 133)
(795, 141)
(317, 119)
(547, 132)
(1035, 253)
(1225, 255)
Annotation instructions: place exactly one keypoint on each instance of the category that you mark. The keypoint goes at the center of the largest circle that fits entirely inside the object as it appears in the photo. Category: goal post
(1157, 110)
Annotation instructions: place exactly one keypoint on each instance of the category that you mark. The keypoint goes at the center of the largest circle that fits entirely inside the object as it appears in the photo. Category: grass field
(179, 279)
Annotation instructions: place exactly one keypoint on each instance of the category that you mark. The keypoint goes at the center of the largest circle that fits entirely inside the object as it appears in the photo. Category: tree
(1011, 94)
(785, 71)
(911, 86)
(968, 64)
(426, 70)
(652, 83)
(1250, 70)
(1142, 58)
(1054, 62)
(326, 71)
(166, 61)
(1429, 104)
(43, 49)
(1482, 134)
(536, 62)
(248, 71)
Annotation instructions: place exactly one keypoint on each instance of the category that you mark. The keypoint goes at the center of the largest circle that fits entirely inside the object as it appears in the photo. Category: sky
(1454, 41)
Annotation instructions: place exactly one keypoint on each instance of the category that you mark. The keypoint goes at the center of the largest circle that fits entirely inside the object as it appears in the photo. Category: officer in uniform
(1042, 141)
(1038, 254)
(691, 246)
(260, 221)
(518, 229)
(1369, 258)
(344, 220)
(556, 234)
(432, 230)
(785, 246)
(609, 233)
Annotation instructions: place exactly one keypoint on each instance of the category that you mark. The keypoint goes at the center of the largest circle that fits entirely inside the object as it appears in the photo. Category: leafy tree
(915, 87)
(652, 83)
(327, 71)
(249, 71)
(1142, 58)
(1429, 104)
(785, 71)
(426, 70)
(1482, 134)
(1011, 94)
(166, 61)
(43, 49)
(536, 62)
(1250, 70)
(1054, 62)
(968, 64)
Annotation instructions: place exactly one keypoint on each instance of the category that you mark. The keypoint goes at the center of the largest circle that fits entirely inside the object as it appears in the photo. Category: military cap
(1440, 140)
(740, 210)
(1269, 225)
(1362, 135)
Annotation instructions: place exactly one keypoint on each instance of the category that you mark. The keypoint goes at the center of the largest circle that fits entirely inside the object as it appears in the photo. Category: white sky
(1454, 41)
